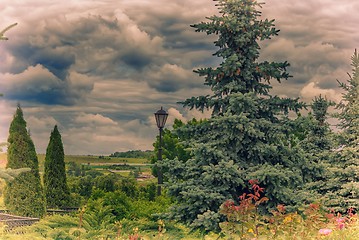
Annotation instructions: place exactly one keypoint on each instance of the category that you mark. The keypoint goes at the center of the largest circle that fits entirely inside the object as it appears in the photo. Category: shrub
(244, 221)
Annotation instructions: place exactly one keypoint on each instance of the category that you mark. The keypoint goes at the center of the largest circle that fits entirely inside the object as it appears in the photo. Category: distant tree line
(133, 154)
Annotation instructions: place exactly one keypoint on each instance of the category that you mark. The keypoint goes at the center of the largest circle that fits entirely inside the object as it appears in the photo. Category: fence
(12, 221)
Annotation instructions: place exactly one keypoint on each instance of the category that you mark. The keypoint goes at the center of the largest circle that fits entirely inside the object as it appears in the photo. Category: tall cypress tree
(247, 135)
(56, 190)
(24, 195)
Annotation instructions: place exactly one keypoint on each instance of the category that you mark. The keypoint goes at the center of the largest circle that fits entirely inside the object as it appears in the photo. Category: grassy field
(96, 159)
(95, 162)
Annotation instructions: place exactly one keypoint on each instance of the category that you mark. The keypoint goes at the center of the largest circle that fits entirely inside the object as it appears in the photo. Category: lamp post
(161, 117)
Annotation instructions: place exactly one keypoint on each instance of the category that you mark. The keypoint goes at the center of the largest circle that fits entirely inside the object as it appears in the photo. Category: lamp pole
(161, 117)
(159, 169)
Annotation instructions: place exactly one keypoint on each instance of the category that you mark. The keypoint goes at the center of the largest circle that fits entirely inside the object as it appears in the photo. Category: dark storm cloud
(94, 46)
(172, 78)
(317, 39)
(171, 21)
(56, 60)
(37, 84)
(136, 59)
(115, 44)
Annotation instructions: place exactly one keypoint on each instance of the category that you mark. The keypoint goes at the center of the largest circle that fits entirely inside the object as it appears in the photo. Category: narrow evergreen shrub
(24, 195)
(56, 190)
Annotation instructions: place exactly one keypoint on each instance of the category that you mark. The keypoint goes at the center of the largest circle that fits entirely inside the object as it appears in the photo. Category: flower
(340, 223)
(325, 231)
(287, 219)
(281, 208)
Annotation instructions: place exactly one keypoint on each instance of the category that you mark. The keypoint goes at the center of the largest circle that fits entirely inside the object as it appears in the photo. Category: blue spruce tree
(247, 136)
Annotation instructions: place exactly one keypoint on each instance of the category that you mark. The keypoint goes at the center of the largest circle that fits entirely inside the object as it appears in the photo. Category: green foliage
(172, 144)
(74, 169)
(94, 222)
(148, 192)
(55, 227)
(9, 174)
(98, 220)
(81, 185)
(123, 206)
(244, 221)
(133, 154)
(146, 209)
(344, 160)
(349, 105)
(129, 200)
(319, 135)
(129, 186)
(55, 185)
(107, 182)
(24, 195)
(316, 145)
(247, 136)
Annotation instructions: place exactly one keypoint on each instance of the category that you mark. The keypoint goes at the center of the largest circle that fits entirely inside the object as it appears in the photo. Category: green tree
(81, 185)
(345, 160)
(24, 195)
(106, 182)
(320, 130)
(172, 144)
(56, 189)
(316, 146)
(247, 134)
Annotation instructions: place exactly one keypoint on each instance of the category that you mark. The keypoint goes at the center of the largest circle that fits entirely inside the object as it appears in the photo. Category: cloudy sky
(99, 69)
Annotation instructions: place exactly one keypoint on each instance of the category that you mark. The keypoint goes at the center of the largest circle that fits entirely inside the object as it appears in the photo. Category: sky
(99, 69)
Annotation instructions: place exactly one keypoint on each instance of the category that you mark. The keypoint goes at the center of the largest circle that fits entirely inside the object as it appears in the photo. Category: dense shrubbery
(122, 193)
(109, 204)
(100, 218)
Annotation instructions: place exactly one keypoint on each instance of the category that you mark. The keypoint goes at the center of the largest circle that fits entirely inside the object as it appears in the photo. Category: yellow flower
(250, 230)
(287, 219)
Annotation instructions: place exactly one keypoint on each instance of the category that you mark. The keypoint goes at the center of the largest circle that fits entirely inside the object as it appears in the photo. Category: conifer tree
(24, 195)
(247, 135)
(318, 137)
(317, 146)
(345, 192)
(56, 190)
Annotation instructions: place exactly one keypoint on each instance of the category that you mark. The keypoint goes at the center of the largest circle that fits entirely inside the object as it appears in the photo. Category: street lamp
(161, 117)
